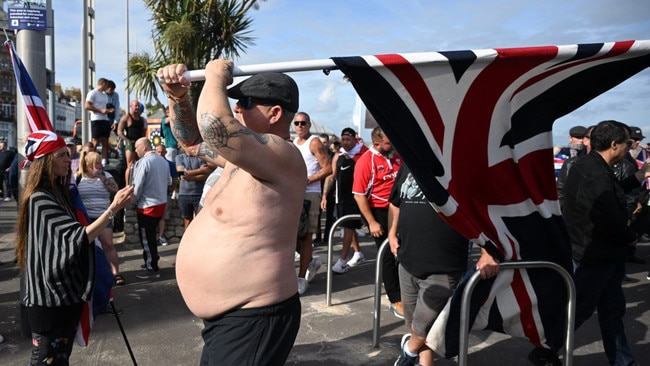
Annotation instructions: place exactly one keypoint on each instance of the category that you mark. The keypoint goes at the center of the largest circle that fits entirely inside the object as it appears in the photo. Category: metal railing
(571, 307)
(378, 268)
(467, 292)
(328, 301)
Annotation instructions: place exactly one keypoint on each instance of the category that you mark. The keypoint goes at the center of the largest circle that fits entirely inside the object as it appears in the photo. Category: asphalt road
(161, 331)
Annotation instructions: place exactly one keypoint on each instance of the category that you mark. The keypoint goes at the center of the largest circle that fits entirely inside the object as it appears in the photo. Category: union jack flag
(38, 120)
(34, 108)
(475, 129)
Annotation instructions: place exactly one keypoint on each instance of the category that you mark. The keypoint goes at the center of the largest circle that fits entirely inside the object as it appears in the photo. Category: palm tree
(192, 32)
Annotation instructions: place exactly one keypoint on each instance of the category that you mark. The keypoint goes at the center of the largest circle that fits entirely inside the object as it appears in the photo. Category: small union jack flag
(34, 109)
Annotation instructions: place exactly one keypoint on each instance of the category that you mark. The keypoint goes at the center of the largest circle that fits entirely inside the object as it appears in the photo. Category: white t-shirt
(98, 100)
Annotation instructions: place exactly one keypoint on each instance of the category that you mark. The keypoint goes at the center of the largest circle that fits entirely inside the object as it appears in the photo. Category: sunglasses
(247, 102)
(300, 123)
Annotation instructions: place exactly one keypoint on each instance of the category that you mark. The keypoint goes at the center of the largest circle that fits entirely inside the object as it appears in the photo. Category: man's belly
(221, 269)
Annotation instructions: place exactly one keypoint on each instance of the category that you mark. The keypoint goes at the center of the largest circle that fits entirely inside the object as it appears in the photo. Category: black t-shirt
(344, 178)
(6, 157)
(428, 245)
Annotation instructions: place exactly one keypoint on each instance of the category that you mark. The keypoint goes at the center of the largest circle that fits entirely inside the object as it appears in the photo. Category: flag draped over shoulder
(475, 129)
(38, 120)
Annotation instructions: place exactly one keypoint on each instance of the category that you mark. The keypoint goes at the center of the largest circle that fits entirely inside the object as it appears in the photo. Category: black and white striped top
(60, 263)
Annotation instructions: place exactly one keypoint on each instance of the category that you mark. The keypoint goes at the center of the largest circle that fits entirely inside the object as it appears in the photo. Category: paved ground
(161, 330)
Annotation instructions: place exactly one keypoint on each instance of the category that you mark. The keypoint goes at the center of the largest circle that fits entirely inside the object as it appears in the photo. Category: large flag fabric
(475, 129)
(34, 109)
(39, 120)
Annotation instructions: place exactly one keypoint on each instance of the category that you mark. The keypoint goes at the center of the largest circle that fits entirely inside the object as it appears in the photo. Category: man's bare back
(239, 251)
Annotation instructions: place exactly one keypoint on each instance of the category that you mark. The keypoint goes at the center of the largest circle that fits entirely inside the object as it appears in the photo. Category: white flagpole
(289, 66)
(358, 114)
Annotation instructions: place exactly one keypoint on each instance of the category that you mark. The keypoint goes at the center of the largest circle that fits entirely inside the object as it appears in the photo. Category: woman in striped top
(95, 188)
(55, 251)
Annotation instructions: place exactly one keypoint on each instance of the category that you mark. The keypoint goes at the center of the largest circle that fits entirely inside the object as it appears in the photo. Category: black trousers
(147, 229)
(389, 272)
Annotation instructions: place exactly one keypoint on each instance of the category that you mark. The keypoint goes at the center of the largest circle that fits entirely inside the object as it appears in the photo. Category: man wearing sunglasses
(317, 161)
(234, 265)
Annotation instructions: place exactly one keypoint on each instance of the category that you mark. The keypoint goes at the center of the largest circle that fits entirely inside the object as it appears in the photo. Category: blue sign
(28, 14)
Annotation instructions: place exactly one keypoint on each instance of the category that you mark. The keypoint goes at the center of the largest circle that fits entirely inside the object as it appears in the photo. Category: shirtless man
(251, 214)
(131, 127)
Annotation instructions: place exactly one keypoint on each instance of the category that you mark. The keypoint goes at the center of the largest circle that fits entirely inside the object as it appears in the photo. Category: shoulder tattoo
(218, 132)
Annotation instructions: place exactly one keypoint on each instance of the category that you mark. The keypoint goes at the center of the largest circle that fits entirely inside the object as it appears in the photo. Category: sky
(289, 30)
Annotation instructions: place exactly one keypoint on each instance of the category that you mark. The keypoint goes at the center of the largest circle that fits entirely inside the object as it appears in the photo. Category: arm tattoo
(204, 150)
(215, 131)
(184, 127)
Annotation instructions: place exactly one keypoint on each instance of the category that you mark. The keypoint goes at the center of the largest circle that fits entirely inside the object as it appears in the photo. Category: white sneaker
(357, 259)
(313, 267)
(302, 285)
(296, 257)
(104, 162)
(7, 199)
(340, 266)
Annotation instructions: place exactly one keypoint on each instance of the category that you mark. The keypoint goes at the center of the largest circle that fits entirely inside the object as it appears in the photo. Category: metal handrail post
(571, 307)
(378, 278)
(328, 291)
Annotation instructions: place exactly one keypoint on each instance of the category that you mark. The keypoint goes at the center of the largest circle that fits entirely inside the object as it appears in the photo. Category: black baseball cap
(269, 87)
(348, 131)
(636, 133)
(578, 132)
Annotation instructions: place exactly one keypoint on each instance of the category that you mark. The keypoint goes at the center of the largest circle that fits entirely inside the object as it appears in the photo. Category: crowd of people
(246, 188)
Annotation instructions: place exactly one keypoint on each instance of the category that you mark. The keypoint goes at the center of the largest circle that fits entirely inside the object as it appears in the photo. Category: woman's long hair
(40, 177)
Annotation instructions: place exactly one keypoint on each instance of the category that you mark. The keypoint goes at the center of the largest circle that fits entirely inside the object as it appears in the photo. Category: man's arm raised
(253, 147)
(181, 116)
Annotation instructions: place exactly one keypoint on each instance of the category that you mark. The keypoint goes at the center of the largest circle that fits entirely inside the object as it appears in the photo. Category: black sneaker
(627, 278)
(544, 357)
(404, 359)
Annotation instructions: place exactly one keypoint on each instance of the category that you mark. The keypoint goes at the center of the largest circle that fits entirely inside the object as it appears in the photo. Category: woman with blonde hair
(56, 252)
(95, 188)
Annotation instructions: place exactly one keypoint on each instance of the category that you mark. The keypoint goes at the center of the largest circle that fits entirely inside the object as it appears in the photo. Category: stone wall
(174, 227)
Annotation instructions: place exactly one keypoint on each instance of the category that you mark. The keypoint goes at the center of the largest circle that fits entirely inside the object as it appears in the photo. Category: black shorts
(99, 129)
(348, 208)
(256, 336)
(189, 205)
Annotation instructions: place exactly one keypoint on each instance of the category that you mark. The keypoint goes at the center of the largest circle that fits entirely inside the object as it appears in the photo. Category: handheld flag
(37, 117)
(475, 129)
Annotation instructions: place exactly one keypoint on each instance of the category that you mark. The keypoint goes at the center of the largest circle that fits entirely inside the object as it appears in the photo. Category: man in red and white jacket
(374, 175)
